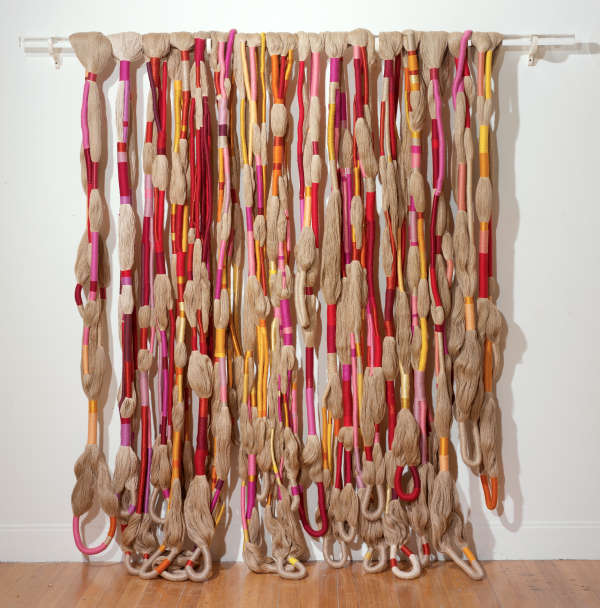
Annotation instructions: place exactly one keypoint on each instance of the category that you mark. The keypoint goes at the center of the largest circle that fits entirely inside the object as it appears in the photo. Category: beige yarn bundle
(91, 269)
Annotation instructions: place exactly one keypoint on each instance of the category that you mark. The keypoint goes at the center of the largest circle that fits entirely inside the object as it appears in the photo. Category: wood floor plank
(506, 590)
(198, 595)
(13, 578)
(328, 588)
(525, 589)
(485, 593)
(71, 584)
(67, 579)
(430, 589)
(462, 591)
(291, 591)
(32, 586)
(309, 595)
(551, 584)
(578, 583)
(456, 593)
(170, 594)
(151, 590)
(107, 576)
(348, 587)
(538, 583)
(132, 593)
(116, 587)
(397, 592)
(555, 580)
(9, 574)
(590, 573)
(364, 587)
(257, 591)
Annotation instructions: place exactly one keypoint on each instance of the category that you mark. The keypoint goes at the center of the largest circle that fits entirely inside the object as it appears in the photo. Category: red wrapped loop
(412, 496)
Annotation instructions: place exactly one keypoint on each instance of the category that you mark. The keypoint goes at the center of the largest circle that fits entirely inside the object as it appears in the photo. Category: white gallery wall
(548, 257)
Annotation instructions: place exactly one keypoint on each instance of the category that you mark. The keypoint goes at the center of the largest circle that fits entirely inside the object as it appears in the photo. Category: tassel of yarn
(126, 462)
(85, 469)
(160, 468)
(418, 510)
(174, 527)
(199, 522)
(253, 551)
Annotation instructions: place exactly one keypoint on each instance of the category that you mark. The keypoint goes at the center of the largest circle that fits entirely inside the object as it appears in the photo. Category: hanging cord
(221, 418)
(140, 532)
(281, 521)
(200, 507)
(403, 431)
(467, 364)
(307, 258)
(129, 471)
(368, 389)
(259, 143)
(174, 525)
(156, 46)
(256, 306)
(489, 320)
(92, 273)
(165, 472)
(180, 199)
(199, 520)
(344, 502)
(335, 246)
(445, 512)
(416, 279)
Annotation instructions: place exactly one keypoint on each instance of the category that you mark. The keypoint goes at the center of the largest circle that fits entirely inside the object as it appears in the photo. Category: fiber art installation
(285, 178)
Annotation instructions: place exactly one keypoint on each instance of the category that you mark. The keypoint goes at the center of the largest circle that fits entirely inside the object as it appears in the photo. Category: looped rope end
(474, 459)
(414, 494)
(415, 569)
(204, 574)
(491, 496)
(472, 569)
(376, 513)
(98, 548)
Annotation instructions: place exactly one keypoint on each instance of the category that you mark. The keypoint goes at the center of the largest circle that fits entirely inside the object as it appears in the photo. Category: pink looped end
(92, 550)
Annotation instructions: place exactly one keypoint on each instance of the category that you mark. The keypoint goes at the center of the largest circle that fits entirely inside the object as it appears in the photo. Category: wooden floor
(547, 583)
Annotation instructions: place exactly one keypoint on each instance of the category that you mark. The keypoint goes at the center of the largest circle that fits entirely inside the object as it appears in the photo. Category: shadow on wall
(505, 214)
(511, 500)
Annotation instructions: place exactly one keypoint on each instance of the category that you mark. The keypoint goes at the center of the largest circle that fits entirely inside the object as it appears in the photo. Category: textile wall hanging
(259, 247)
